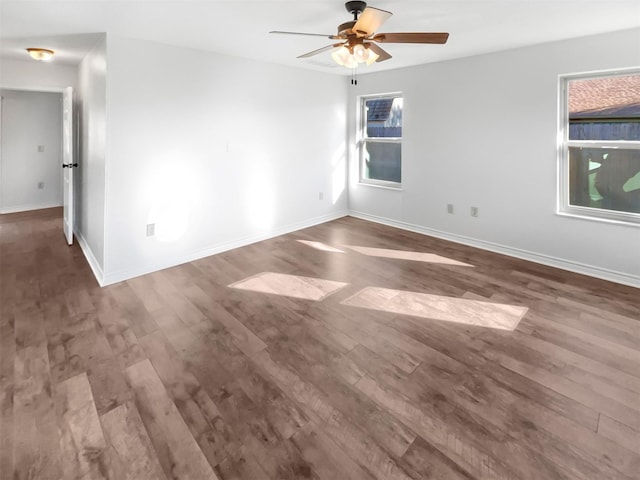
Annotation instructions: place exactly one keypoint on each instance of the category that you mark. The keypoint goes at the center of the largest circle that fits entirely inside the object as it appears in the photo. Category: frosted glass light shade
(40, 53)
(341, 56)
(372, 56)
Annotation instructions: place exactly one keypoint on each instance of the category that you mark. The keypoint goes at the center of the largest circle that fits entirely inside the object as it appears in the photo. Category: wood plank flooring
(348, 350)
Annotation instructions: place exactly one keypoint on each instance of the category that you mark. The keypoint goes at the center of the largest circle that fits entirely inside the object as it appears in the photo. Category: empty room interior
(317, 240)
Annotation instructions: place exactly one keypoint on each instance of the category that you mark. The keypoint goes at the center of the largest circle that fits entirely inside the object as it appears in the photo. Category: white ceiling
(241, 27)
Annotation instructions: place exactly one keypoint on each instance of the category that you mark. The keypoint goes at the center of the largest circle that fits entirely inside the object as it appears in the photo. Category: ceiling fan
(358, 42)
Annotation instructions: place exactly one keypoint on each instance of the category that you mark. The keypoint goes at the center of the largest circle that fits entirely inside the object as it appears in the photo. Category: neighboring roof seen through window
(378, 110)
(608, 97)
(604, 108)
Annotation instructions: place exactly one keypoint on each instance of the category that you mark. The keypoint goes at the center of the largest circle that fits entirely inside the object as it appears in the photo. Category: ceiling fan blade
(438, 38)
(382, 54)
(370, 20)
(319, 50)
(301, 33)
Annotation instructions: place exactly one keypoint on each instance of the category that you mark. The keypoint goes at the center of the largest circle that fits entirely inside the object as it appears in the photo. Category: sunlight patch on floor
(321, 246)
(289, 285)
(406, 255)
(438, 307)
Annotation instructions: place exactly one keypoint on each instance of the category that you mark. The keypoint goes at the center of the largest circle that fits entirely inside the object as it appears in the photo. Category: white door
(68, 163)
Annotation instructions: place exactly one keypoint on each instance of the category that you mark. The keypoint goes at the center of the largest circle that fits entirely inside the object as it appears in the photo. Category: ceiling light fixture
(351, 56)
(41, 54)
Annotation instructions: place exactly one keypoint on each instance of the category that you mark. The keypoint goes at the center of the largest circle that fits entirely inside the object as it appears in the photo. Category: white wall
(89, 177)
(29, 74)
(30, 121)
(481, 131)
(216, 152)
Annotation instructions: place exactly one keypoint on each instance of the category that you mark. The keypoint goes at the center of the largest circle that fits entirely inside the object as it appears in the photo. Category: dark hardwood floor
(349, 350)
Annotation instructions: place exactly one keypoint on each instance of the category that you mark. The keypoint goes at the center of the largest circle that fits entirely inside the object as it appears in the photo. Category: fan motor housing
(346, 28)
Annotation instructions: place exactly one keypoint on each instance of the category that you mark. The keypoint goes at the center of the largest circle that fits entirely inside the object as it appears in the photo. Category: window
(380, 140)
(600, 146)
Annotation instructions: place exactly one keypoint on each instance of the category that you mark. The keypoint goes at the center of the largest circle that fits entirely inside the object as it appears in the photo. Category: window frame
(564, 207)
(362, 139)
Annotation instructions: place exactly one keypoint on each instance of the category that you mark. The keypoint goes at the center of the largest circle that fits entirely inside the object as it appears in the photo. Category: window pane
(384, 117)
(382, 161)
(606, 108)
(605, 178)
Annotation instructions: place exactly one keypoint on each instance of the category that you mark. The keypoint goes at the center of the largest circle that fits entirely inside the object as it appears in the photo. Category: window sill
(591, 218)
(397, 187)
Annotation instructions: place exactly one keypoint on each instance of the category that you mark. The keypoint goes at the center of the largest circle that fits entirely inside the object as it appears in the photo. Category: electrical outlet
(474, 211)
(40, 148)
(40, 185)
(320, 195)
(449, 207)
(151, 229)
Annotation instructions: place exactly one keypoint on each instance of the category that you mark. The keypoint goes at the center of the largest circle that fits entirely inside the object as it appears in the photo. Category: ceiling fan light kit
(363, 54)
(41, 54)
(358, 40)
(351, 57)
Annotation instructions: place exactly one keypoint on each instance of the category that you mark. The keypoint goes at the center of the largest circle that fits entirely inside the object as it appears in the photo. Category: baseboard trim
(115, 277)
(29, 207)
(91, 258)
(590, 270)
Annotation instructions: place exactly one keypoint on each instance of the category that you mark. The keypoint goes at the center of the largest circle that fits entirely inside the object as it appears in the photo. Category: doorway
(30, 150)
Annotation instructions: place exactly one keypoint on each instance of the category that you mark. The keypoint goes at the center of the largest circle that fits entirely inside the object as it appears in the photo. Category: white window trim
(361, 138)
(564, 208)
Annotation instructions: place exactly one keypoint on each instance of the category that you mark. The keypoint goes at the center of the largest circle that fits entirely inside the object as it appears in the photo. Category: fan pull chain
(354, 77)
